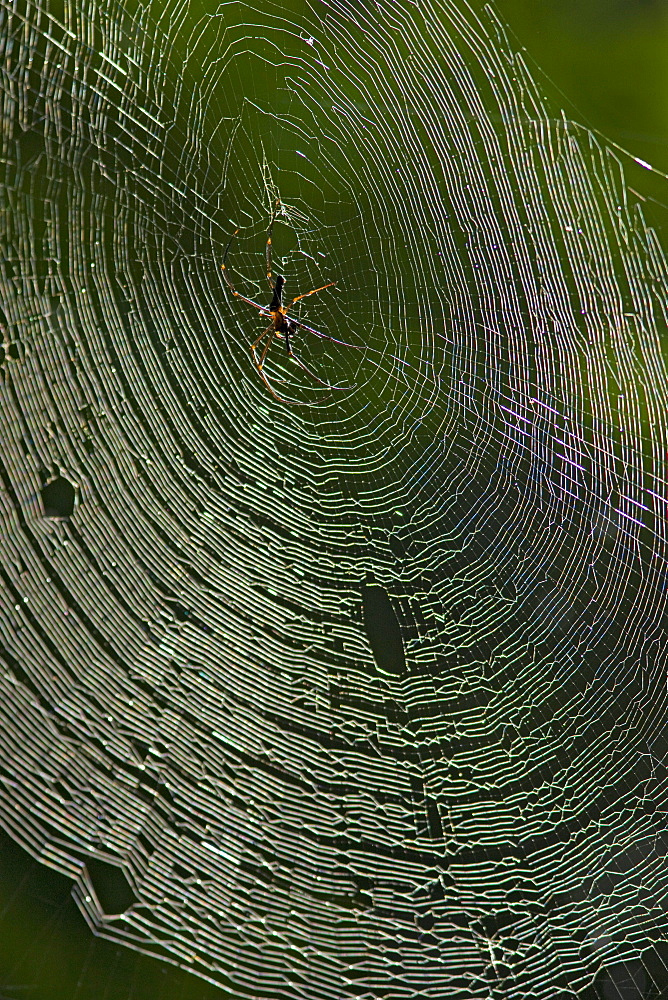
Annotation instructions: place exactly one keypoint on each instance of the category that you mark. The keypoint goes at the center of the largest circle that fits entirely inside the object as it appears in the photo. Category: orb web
(359, 691)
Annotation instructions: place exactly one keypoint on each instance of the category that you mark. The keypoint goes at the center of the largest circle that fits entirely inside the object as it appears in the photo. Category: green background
(606, 63)
(609, 58)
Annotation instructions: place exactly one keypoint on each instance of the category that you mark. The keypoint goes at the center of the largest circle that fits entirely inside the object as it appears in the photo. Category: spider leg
(256, 343)
(271, 331)
(312, 292)
(223, 266)
(230, 285)
(268, 247)
(308, 371)
(281, 399)
(270, 339)
(324, 336)
(262, 309)
(238, 295)
(325, 385)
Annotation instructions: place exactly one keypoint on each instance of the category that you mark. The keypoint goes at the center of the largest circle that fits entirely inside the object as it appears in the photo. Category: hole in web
(47, 951)
(112, 888)
(58, 498)
(382, 629)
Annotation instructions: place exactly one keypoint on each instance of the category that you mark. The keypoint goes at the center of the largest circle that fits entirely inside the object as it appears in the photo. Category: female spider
(282, 325)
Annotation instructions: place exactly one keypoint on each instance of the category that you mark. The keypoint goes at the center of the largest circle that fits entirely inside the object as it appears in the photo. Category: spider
(282, 325)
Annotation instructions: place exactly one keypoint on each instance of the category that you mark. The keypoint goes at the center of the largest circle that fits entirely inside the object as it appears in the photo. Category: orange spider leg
(306, 294)
(270, 333)
(230, 285)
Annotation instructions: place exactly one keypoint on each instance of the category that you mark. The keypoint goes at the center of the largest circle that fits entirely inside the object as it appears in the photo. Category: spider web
(364, 696)
(47, 951)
